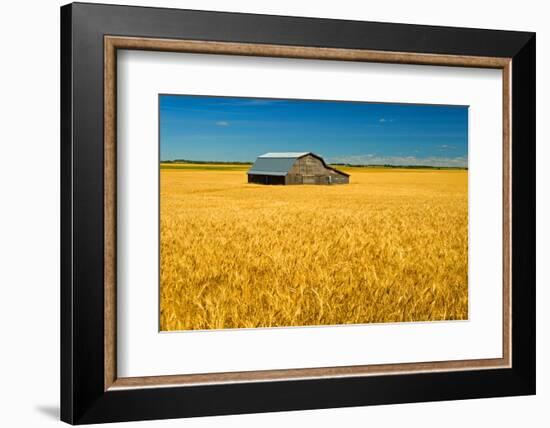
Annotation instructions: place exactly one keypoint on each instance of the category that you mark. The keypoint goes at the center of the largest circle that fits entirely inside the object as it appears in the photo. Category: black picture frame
(83, 398)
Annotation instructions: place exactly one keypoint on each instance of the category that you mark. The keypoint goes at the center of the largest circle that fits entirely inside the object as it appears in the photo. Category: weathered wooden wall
(311, 170)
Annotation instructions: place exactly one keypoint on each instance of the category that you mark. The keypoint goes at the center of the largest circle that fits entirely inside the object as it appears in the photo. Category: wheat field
(392, 246)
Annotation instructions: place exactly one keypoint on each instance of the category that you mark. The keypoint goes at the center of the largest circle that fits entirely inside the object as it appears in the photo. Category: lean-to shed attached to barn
(294, 168)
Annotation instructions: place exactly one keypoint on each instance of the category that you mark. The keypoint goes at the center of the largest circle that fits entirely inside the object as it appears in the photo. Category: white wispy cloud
(384, 120)
(372, 159)
(222, 123)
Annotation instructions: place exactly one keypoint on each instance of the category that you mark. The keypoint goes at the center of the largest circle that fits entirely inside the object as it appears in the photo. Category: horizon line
(352, 165)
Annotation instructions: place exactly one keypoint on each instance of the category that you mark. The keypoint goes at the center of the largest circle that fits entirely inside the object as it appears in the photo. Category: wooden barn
(294, 168)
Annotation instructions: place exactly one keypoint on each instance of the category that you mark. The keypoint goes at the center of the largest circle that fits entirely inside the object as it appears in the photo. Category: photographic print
(292, 213)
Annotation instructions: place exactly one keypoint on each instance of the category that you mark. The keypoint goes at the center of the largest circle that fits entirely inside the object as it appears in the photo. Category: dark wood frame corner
(90, 390)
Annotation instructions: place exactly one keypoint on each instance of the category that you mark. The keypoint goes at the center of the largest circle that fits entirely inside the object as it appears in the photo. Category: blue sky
(240, 129)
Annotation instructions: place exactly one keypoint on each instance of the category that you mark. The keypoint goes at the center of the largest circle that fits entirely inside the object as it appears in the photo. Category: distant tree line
(351, 165)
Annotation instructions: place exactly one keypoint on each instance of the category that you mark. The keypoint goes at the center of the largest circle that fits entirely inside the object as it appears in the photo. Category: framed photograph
(266, 213)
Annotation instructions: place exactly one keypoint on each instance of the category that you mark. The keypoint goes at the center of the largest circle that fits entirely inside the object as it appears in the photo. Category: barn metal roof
(294, 155)
(272, 165)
